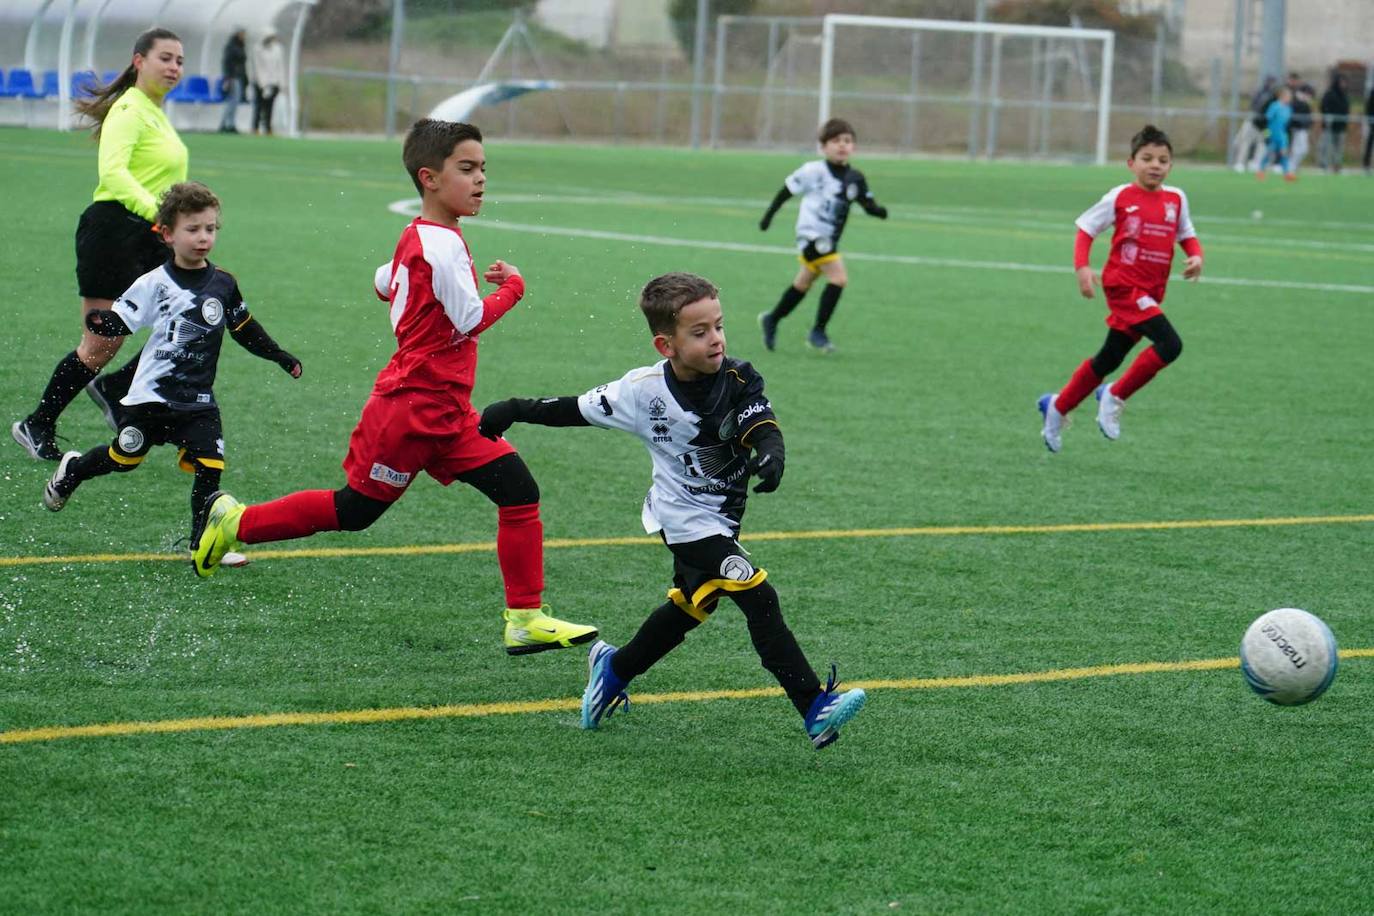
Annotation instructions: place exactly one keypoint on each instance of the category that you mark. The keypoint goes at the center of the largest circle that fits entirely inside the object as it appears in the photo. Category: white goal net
(920, 85)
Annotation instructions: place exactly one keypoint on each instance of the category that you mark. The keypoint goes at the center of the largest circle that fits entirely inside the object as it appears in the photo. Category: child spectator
(700, 413)
(189, 303)
(1278, 114)
(829, 186)
(420, 416)
(1149, 217)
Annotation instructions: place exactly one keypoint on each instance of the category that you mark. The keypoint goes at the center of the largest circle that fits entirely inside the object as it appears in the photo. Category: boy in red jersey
(1149, 217)
(419, 416)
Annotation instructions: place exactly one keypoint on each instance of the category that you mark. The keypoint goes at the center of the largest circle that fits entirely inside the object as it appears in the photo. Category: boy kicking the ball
(1150, 217)
(701, 414)
(420, 416)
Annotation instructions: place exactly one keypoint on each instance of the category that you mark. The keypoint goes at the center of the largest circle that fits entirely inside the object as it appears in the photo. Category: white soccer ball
(1288, 656)
(1257, 215)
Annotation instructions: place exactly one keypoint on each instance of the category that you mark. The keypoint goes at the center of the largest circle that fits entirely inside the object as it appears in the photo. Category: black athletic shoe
(770, 329)
(98, 389)
(818, 339)
(38, 440)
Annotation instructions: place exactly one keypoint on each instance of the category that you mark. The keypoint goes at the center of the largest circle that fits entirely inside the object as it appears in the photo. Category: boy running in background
(828, 187)
(700, 413)
(189, 303)
(1149, 217)
(420, 416)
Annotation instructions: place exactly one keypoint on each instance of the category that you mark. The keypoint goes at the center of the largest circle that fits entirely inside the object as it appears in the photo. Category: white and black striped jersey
(697, 438)
(828, 190)
(189, 311)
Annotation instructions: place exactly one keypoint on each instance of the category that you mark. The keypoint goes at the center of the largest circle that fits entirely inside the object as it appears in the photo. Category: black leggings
(505, 481)
(1161, 333)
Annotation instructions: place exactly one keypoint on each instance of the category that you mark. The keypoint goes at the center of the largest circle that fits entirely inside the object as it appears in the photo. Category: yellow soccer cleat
(221, 534)
(532, 630)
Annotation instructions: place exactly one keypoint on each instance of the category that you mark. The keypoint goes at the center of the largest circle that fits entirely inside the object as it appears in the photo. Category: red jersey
(436, 311)
(1148, 223)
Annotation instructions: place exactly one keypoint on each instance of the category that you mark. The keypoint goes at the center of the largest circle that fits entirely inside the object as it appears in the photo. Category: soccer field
(1056, 720)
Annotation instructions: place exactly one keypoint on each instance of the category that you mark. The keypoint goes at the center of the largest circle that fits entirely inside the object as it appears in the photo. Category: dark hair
(663, 297)
(429, 142)
(182, 198)
(97, 105)
(1150, 136)
(833, 128)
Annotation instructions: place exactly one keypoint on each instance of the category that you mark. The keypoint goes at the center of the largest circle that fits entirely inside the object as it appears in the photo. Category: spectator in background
(1335, 107)
(1368, 127)
(1278, 115)
(1300, 129)
(269, 73)
(234, 79)
(1248, 144)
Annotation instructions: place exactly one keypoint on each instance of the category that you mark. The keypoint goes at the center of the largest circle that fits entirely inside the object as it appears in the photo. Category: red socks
(294, 516)
(520, 551)
(1080, 385)
(1142, 370)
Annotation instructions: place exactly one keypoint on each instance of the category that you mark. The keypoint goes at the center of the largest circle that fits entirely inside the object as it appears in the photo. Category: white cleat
(53, 498)
(1053, 430)
(1109, 408)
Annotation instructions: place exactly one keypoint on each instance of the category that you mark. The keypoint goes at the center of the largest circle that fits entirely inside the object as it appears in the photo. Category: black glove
(879, 211)
(766, 221)
(767, 467)
(498, 417)
(289, 363)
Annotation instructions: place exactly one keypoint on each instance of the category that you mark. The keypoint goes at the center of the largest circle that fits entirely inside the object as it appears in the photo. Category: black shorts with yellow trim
(197, 434)
(817, 252)
(704, 570)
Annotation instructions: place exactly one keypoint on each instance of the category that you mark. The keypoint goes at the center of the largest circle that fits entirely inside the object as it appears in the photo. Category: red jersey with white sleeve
(436, 311)
(1148, 224)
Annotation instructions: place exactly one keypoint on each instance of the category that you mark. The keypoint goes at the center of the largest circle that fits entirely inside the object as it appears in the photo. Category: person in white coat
(268, 72)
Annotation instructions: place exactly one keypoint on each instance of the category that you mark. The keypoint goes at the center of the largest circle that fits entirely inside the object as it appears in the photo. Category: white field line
(410, 207)
(966, 216)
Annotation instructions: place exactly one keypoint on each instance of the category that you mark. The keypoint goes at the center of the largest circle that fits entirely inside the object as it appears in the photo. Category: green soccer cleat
(221, 534)
(532, 630)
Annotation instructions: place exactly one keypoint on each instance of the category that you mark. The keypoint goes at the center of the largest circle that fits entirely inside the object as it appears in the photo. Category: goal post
(987, 89)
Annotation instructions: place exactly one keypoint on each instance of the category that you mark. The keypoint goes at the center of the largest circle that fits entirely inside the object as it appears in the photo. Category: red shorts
(406, 432)
(1129, 305)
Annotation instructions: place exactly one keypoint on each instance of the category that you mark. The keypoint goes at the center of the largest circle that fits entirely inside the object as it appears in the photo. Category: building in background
(621, 25)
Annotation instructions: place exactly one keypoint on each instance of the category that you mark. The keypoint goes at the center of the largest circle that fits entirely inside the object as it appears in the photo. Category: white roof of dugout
(73, 35)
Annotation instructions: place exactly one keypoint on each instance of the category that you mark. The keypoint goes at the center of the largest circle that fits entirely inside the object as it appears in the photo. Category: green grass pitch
(1173, 791)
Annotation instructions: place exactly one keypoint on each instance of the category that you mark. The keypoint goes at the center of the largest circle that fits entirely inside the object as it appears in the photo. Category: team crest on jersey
(130, 440)
(1171, 212)
(658, 407)
(212, 310)
(736, 569)
(389, 476)
(851, 191)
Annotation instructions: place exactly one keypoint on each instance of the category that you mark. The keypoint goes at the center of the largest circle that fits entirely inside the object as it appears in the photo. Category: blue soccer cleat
(605, 693)
(831, 710)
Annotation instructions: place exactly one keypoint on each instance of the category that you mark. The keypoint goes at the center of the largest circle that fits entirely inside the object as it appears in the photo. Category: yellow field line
(471, 710)
(641, 541)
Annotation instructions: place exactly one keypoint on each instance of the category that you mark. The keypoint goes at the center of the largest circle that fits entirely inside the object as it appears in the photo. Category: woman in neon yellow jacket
(141, 156)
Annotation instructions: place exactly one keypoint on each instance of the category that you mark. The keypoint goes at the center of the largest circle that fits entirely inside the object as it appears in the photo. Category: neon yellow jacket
(140, 154)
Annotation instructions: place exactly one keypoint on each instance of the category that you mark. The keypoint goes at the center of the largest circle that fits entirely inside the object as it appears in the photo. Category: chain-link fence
(553, 71)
